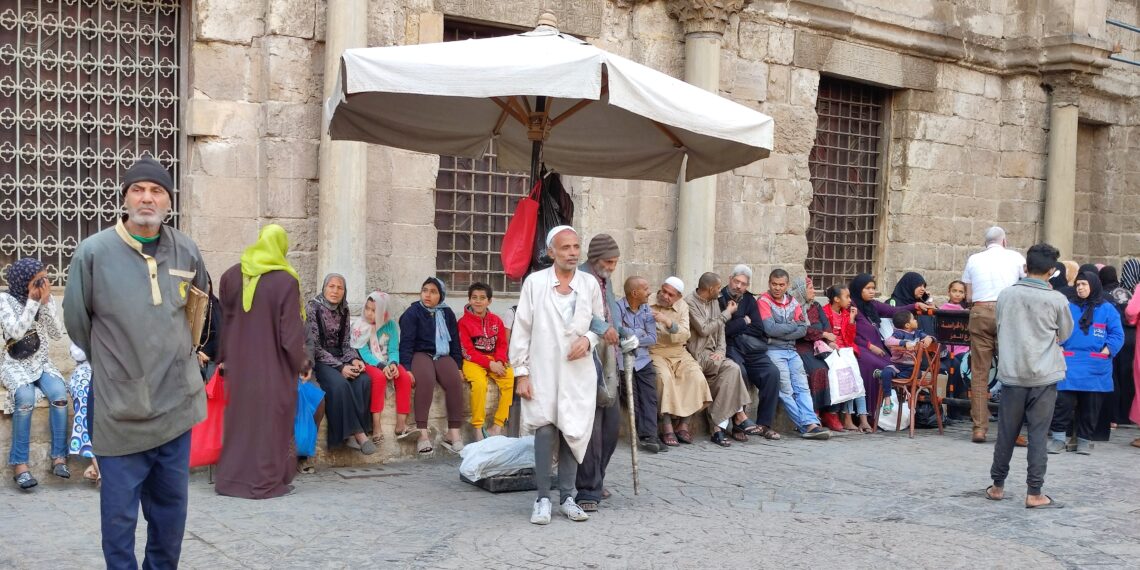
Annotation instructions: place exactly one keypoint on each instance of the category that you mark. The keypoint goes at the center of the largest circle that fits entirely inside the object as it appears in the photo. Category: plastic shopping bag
(206, 437)
(497, 455)
(888, 420)
(844, 382)
(518, 241)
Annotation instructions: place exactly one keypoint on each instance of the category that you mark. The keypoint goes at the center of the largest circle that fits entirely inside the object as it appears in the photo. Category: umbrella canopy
(595, 113)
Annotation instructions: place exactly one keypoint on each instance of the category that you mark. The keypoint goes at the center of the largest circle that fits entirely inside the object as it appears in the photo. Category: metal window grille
(845, 173)
(86, 86)
(474, 200)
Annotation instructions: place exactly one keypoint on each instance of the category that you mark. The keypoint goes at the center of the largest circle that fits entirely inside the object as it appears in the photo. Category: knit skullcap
(603, 246)
(147, 169)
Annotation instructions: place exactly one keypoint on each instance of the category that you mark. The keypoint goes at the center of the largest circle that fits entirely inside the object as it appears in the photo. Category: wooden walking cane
(629, 360)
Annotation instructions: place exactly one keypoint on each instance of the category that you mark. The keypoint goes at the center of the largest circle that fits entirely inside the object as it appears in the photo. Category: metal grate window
(86, 86)
(845, 173)
(474, 200)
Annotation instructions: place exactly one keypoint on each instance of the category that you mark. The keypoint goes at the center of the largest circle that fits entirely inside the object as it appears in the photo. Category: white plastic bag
(843, 380)
(497, 455)
(887, 421)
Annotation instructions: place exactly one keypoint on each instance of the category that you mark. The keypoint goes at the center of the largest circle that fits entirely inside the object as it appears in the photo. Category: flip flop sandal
(378, 439)
(749, 427)
(720, 439)
(454, 447)
(424, 447)
(1050, 505)
(408, 432)
(684, 436)
(669, 439)
(991, 497)
(867, 429)
(769, 433)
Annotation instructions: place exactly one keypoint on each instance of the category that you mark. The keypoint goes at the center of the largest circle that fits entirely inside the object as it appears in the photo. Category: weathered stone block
(752, 40)
(779, 84)
(804, 88)
(295, 18)
(285, 198)
(751, 80)
(225, 158)
(295, 69)
(862, 62)
(218, 196)
(228, 21)
(962, 80)
(227, 119)
(291, 158)
(977, 108)
(242, 76)
(781, 45)
(292, 120)
(229, 234)
(1021, 165)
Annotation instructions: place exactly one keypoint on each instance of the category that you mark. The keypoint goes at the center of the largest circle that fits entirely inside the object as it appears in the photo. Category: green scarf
(267, 254)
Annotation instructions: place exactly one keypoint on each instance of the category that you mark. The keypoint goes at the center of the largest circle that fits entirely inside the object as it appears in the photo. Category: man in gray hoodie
(125, 306)
(1032, 321)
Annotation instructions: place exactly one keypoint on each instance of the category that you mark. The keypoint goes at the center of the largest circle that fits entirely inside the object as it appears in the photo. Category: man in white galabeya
(987, 273)
(550, 343)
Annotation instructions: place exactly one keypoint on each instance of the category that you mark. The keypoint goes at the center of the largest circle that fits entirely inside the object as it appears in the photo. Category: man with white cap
(554, 376)
(681, 386)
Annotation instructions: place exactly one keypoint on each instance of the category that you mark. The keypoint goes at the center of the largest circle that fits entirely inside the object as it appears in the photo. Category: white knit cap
(676, 283)
(555, 231)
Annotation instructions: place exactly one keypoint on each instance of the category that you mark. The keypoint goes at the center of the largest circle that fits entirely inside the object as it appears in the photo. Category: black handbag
(23, 348)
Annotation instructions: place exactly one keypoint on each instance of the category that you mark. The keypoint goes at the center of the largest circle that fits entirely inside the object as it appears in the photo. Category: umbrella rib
(570, 112)
(676, 141)
(499, 122)
(509, 108)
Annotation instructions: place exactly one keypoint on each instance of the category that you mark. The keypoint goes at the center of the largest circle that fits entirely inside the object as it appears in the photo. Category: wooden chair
(918, 381)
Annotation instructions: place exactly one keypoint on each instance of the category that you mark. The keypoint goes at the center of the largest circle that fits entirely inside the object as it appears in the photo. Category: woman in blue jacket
(1088, 355)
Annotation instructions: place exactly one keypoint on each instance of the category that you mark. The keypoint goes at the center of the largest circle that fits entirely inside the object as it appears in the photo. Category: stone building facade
(904, 128)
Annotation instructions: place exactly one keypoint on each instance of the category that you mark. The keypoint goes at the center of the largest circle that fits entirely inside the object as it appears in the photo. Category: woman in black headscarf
(1059, 281)
(871, 352)
(911, 289)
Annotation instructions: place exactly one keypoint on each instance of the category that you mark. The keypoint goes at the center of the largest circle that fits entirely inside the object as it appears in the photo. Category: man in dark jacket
(748, 347)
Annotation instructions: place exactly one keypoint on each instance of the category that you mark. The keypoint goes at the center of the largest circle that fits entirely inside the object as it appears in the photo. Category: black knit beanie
(147, 169)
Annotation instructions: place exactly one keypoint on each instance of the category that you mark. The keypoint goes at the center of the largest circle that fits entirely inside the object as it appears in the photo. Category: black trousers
(1077, 410)
(761, 372)
(603, 441)
(644, 400)
(1034, 406)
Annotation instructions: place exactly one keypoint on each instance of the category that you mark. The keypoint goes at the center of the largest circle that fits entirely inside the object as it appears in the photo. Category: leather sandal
(669, 439)
(684, 436)
(721, 439)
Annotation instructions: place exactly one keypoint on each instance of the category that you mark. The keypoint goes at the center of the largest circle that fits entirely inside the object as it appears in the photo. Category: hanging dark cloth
(555, 208)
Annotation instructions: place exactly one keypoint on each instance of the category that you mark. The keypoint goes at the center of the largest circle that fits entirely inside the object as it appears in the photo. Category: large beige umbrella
(542, 95)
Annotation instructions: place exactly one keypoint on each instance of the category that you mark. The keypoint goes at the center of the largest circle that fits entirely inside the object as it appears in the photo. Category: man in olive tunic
(125, 307)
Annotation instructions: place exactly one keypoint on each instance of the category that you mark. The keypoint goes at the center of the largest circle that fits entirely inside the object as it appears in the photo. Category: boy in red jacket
(484, 341)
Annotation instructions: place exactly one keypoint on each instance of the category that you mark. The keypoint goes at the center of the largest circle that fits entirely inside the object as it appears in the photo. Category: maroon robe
(264, 353)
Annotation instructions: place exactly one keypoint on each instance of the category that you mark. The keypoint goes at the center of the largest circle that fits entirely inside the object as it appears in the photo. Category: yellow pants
(477, 376)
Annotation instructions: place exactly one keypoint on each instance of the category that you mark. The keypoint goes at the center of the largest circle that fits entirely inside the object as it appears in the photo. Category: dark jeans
(157, 478)
(1035, 406)
(761, 372)
(644, 400)
(1078, 410)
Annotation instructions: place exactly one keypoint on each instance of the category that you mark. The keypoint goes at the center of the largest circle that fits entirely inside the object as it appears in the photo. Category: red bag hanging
(518, 242)
(206, 437)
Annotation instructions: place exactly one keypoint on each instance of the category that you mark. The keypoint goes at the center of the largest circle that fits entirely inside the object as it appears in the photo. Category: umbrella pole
(629, 360)
(536, 145)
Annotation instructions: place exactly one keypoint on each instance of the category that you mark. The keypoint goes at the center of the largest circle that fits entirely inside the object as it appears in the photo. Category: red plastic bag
(206, 437)
(518, 242)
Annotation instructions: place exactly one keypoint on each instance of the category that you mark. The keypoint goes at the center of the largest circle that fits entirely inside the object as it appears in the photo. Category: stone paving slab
(882, 501)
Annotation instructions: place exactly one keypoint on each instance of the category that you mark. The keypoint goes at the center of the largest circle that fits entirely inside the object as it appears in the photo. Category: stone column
(704, 23)
(1061, 172)
(342, 225)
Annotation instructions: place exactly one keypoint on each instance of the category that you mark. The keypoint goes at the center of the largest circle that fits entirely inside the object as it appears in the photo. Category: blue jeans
(859, 405)
(25, 397)
(794, 392)
(158, 478)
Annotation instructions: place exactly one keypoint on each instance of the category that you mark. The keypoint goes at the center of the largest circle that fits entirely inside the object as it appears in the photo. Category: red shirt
(841, 327)
(483, 338)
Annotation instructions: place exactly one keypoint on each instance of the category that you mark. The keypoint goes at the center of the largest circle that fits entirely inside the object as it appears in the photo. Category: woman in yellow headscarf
(263, 353)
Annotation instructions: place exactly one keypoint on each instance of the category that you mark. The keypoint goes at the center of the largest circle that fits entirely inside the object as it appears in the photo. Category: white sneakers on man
(541, 513)
(572, 511)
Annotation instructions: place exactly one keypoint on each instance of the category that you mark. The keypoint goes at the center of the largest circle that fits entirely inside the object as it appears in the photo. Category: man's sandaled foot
(1048, 504)
(589, 506)
(995, 493)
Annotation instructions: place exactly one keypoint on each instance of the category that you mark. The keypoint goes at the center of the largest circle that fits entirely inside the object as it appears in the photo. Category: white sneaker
(541, 513)
(573, 511)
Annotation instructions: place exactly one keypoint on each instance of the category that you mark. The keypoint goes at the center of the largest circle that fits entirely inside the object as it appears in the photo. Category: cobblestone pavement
(882, 501)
